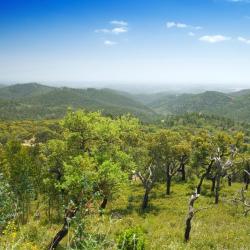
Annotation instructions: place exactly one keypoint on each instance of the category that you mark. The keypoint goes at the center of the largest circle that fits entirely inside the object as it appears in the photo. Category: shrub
(7, 203)
(131, 239)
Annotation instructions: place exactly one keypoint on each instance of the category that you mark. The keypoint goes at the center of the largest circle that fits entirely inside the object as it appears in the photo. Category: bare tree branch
(243, 200)
(248, 173)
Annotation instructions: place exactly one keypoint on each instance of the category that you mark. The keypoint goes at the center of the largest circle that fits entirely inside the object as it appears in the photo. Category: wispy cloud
(119, 30)
(244, 40)
(109, 43)
(176, 25)
(214, 38)
(179, 25)
(119, 23)
(121, 27)
(191, 33)
(116, 31)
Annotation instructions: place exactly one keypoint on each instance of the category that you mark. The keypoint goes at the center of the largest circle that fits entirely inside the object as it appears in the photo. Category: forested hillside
(124, 177)
(94, 182)
(233, 105)
(35, 101)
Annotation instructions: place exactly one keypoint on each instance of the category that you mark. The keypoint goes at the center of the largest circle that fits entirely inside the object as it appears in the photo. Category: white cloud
(119, 23)
(214, 38)
(244, 40)
(191, 34)
(121, 27)
(176, 25)
(109, 43)
(119, 30)
(116, 31)
(181, 26)
(197, 27)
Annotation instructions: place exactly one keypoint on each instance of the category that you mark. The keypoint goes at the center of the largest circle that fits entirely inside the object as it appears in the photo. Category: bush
(131, 239)
(7, 203)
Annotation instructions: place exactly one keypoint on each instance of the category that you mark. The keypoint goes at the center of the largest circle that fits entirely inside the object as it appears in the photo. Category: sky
(136, 41)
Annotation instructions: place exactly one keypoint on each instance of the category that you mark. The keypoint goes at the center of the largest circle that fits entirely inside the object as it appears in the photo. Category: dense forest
(37, 102)
(112, 179)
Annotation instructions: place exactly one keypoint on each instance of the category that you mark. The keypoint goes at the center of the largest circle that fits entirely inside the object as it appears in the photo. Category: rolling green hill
(19, 91)
(233, 105)
(35, 101)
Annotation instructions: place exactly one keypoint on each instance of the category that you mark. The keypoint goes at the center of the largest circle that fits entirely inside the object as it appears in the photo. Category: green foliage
(231, 105)
(7, 203)
(34, 101)
(131, 239)
(83, 170)
(79, 178)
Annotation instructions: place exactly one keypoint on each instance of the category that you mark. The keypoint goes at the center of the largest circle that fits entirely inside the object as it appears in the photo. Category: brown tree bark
(148, 183)
(168, 184)
(208, 170)
(145, 200)
(229, 180)
(246, 179)
(213, 179)
(69, 214)
(183, 171)
(104, 203)
(190, 216)
(217, 188)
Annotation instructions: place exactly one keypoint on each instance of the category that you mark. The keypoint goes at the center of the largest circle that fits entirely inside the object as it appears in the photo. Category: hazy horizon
(143, 88)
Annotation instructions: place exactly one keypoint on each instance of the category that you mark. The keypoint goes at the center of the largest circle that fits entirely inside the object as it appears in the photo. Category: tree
(53, 154)
(7, 203)
(202, 158)
(94, 167)
(78, 183)
(146, 169)
(217, 152)
(169, 152)
(18, 171)
(190, 215)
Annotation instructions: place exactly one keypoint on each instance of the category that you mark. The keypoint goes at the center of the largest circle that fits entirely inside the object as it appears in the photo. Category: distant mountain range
(234, 105)
(36, 101)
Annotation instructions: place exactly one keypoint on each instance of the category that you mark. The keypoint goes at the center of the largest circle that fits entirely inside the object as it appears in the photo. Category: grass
(221, 226)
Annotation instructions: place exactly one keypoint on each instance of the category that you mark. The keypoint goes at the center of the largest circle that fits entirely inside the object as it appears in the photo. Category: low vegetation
(95, 182)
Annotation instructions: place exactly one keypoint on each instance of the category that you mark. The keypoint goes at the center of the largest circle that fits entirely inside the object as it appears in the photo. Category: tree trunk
(190, 215)
(104, 203)
(217, 188)
(213, 184)
(246, 180)
(200, 183)
(229, 180)
(168, 182)
(183, 172)
(59, 236)
(208, 170)
(145, 200)
(70, 213)
(188, 229)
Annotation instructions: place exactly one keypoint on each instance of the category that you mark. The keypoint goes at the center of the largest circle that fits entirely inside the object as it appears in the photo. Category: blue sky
(142, 41)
